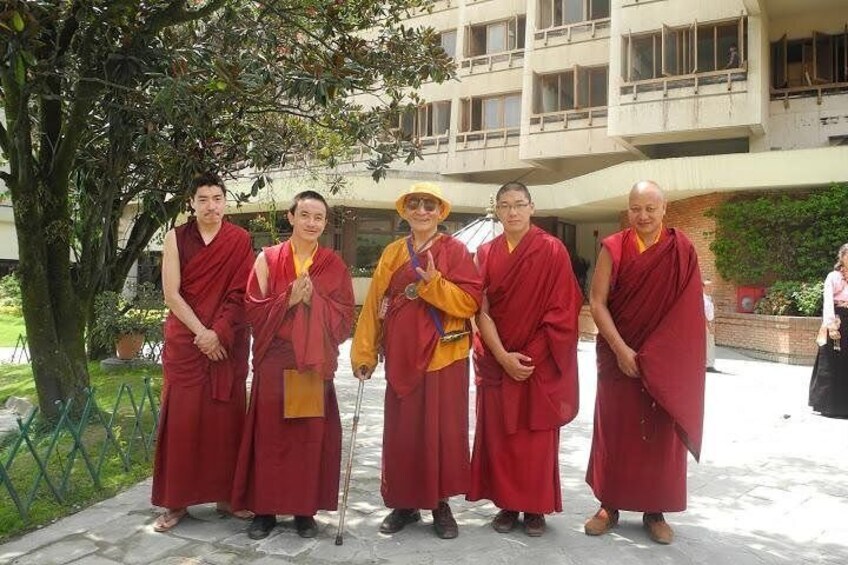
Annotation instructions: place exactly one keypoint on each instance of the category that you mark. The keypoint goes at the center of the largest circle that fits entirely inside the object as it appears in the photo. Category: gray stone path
(772, 488)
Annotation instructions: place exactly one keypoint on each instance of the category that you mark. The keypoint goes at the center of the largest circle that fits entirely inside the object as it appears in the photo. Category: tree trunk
(55, 341)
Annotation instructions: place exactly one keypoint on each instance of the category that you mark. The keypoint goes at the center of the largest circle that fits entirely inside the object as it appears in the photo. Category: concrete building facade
(579, 99)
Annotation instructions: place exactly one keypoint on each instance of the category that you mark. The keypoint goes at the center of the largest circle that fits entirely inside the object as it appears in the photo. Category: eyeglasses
(412, 204)
(505, 208)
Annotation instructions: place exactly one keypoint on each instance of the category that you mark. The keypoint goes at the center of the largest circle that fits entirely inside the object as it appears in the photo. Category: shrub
(10, 295)
(780, 236)
(792, 298)
(115, 315)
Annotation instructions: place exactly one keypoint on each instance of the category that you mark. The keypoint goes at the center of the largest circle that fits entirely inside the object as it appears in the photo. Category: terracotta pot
(127, 346)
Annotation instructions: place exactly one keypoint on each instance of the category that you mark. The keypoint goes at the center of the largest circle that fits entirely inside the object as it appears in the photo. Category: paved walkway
(772, 488)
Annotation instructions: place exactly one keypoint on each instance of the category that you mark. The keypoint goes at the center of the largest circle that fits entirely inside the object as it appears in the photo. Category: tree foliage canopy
(110, 103)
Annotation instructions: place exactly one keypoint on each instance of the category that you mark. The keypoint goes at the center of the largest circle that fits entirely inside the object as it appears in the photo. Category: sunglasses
(412, 204)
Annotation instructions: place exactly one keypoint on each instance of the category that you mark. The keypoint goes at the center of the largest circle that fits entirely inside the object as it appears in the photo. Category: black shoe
(306, 526)
(712, 370)
(443, 522)
(398, 519)
(261, 526)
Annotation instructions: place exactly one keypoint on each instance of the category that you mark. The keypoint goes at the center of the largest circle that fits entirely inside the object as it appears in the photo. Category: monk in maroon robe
(205, 265)
(417, 311)
(300, 305)
(647, 301)
(526, 366)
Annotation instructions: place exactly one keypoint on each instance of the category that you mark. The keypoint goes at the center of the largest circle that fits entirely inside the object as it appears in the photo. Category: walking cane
(340, 530)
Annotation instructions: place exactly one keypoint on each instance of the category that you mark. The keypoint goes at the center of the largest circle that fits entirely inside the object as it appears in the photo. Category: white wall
(8, 235)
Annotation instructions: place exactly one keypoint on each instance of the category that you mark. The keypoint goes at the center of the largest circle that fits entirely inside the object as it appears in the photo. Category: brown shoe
(398, 519)
(603, 521)
(534, 524)
(443, 521)
(505, 521)
(658, 529)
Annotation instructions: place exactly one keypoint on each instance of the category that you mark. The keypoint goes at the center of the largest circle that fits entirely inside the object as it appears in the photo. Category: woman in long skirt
(829, 383)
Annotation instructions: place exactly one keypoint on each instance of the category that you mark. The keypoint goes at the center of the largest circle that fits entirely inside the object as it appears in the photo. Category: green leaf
(20, 69)
(17, 21)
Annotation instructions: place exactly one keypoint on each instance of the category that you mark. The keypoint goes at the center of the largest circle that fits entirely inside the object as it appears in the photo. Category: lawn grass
(10, 328)
(81, 490)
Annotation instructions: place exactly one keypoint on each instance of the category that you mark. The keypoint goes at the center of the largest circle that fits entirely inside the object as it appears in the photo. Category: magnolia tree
(116, 103)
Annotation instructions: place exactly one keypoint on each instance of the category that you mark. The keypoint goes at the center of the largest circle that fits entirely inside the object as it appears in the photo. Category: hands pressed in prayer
(301, 290)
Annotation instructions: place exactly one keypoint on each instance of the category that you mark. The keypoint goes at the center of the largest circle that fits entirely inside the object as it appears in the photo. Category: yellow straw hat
(429, 189)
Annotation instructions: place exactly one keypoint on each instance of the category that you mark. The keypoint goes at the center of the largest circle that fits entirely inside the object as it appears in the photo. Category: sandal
(169, 519)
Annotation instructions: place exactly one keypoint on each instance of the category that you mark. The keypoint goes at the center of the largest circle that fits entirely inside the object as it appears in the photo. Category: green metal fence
(76, 451)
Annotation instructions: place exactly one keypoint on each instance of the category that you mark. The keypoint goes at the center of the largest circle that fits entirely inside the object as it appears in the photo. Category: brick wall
(787, 339)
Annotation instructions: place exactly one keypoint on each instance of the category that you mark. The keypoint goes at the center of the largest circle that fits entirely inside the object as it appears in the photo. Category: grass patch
(10, 328)
(68, 472)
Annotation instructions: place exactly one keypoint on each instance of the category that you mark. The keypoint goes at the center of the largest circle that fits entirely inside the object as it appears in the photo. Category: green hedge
(780, 237)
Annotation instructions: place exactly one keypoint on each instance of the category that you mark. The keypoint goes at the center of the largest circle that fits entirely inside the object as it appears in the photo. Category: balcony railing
(429, 144)
(817, 90)
(434, 143)
(501, 135)
(568, 30)
(565, 118)
(489, 60)
(694, 80)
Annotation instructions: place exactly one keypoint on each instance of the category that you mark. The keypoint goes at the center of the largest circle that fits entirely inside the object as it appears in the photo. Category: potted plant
(128, 322)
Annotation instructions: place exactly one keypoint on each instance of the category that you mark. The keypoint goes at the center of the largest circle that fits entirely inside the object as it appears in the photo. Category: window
(810, 61)
(582, 87)
(697, 48)
(426, 121)
(493, 112)
(497, 37)
(375, 229)
(556, 13)
(448, 42)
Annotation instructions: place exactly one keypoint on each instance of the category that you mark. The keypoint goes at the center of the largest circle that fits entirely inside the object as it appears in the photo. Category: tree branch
(4, 140)
(176, 13)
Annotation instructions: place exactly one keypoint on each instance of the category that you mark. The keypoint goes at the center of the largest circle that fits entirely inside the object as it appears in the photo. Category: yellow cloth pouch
(303, 394)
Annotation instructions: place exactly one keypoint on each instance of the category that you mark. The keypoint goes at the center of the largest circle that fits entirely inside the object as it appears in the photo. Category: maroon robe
(534, 301)
(644, 426)
(291, 465)
(203, 401)
(425, 434)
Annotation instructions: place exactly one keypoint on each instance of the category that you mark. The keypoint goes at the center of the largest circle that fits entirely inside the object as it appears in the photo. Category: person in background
(709, 314)
(733, 61)
(829, 381)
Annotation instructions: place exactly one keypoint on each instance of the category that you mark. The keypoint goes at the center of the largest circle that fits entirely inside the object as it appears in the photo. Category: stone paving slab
(772, 488)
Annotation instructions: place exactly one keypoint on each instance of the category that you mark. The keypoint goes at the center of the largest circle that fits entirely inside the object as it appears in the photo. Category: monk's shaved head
(646, 210)
(647, 188)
